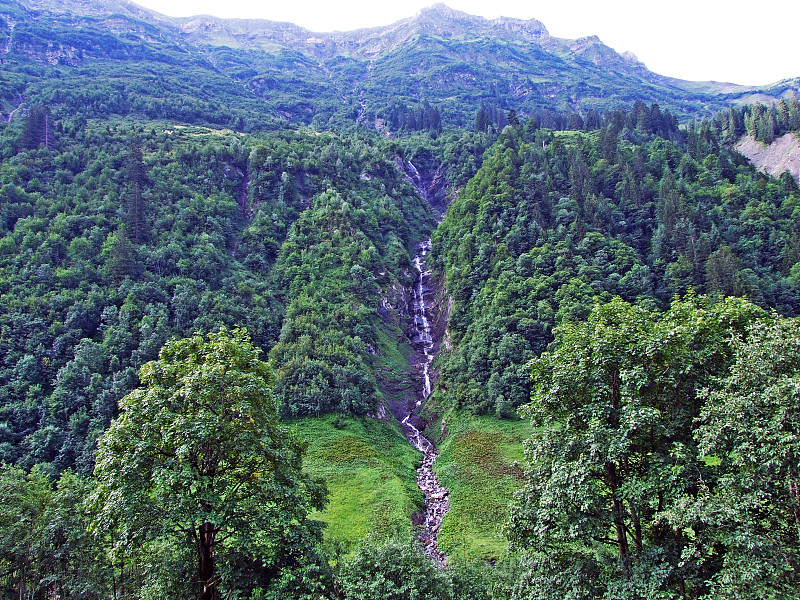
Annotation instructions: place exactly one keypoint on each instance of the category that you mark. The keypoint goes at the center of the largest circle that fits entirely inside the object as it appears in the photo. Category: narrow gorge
(437, 501)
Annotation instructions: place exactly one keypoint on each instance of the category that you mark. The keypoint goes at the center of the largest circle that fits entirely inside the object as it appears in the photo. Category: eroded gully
(437, 501)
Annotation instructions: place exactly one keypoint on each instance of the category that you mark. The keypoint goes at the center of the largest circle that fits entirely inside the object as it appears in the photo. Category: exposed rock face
(431, 185)
(782, 155)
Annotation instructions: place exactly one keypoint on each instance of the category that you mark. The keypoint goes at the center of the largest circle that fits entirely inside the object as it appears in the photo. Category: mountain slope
(125, 223)
(551, 225)
(446, 58)
(782, 155)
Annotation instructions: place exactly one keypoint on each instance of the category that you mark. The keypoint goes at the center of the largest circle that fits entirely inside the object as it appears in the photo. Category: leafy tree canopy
(750, 429)
(613, 409)
(197, 456)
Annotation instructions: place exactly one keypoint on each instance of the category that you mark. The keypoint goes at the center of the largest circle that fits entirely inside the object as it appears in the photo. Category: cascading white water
(416, 178)
(437, 501)
(421, 323)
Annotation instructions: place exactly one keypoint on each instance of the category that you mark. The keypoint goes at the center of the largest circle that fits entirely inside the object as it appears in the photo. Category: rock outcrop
(782, 155)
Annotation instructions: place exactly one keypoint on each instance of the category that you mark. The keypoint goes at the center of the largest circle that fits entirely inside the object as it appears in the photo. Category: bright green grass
(370, 470)
(394, 354)
(477, 466)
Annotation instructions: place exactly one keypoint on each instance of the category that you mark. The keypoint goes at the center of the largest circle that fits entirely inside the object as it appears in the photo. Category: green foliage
(87, 300)
(554, 223)
(341, 259)
(154, 187)
(483, 580)
(45, 545)
(395, 570)
(198, 456)
(745, 519)
(613, 409)
(760, 121)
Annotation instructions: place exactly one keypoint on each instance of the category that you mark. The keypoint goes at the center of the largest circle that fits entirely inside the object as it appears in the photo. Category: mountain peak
(442, 10)
(459, 23)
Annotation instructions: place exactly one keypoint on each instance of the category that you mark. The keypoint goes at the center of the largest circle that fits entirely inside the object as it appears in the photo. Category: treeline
(763, 122)
(422, 118)
(554, 222)
(641, 118)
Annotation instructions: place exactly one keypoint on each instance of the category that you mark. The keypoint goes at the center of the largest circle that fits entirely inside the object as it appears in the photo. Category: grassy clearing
(477, 466)
(370, 471)
(368, 465)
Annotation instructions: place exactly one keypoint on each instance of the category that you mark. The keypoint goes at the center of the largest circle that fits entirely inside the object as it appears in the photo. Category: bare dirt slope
(781, 155)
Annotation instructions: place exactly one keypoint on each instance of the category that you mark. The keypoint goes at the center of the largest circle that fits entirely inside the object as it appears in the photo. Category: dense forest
(193, 229)
(555, 222)
(566, 247)
(212, 288)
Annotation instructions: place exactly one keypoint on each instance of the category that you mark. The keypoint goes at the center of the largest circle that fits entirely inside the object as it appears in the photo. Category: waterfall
(421, 324)
(437, 500)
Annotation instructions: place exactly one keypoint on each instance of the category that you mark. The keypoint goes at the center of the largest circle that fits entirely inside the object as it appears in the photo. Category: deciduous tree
(198, 456)
(613, 409)
(746, 519)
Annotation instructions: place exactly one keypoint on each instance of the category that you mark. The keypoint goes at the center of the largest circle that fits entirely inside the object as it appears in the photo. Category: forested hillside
(555, 222)
(119, 237)
(229, 368)
(574, 260)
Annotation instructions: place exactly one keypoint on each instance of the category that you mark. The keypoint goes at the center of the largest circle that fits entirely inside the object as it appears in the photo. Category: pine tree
(481, 121)
(136, 217)
(119, 255)
(735, 123)
(592, 120)
(794, 113)
(575, 122)
(783, 116)
(411, 121)
(38, 129)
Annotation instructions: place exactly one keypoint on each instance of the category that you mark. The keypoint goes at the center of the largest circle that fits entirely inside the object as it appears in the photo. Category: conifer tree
(135, 208)
(38, 129)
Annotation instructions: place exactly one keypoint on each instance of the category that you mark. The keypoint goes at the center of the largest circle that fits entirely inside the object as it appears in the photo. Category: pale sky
(722, 40)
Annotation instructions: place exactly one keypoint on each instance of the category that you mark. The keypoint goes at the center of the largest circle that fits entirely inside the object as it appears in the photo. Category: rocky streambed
(437, 500)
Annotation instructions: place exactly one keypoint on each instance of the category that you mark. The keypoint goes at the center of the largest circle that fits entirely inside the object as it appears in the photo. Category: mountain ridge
(438, 19)
(440, 57)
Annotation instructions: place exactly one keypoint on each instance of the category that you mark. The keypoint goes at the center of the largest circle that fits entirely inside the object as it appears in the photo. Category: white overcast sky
(749, 42)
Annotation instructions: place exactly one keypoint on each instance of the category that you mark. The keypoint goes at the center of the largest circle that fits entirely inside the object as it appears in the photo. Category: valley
(451, 309)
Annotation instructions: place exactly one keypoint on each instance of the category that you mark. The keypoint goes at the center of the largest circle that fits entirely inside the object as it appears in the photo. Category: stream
(437, 497)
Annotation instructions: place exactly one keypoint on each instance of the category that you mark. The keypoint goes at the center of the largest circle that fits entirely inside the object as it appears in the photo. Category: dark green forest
(290, 235)
(557, 221)
(207, 287)
(565, 245)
